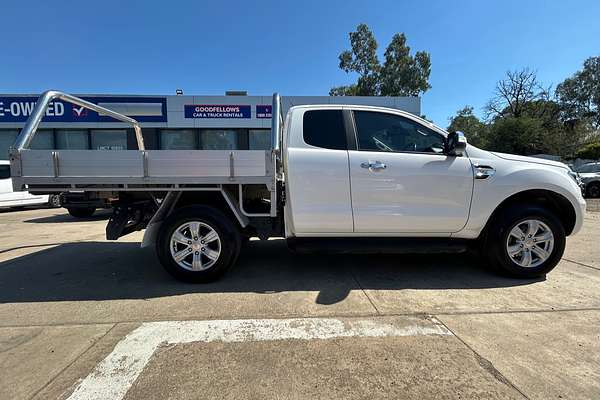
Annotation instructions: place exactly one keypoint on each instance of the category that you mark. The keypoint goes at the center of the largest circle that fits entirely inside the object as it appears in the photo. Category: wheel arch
(218, 199)
(553, 201)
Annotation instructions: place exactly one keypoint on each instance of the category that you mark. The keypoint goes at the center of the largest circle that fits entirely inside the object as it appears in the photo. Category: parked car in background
(575, 175)
(590, 176)
(10, 198)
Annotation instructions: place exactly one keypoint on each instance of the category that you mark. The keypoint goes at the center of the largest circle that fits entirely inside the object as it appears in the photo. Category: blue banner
(217, 111)
(18, 109)
(264, 111)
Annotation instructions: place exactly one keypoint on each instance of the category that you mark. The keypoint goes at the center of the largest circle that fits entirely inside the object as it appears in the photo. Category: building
(168, 122)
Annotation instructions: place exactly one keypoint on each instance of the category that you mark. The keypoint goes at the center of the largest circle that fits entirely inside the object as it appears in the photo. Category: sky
(208, 47)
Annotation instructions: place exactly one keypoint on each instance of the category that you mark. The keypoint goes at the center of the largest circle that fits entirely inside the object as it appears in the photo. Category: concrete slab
(31, 357)
(583, 248)
(103, 282)
(55, 270)
(114, 376)
(96, 282)
(31, 230)
(346, 368)
(546, 355)
(455, 283)
(63, 385)
(593, 205)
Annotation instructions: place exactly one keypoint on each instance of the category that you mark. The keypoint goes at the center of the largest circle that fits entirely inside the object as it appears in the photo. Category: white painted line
(113, 376)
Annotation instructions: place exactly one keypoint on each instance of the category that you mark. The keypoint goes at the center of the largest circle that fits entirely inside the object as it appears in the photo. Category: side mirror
(456, 143)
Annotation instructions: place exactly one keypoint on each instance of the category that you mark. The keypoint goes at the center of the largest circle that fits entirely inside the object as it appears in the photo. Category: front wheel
(525, 242)
(198, 244)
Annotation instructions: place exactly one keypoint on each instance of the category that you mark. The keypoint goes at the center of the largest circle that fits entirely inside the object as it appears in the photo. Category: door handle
(375, 166)
(483, 171)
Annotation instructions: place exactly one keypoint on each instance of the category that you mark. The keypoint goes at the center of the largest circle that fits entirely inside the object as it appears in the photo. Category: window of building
(7, 139)
(109, 139)
(259, 139)
(388, 132)
(72, 139)
(43, 140)
(178, 139)
(325, 128)
(219, 139)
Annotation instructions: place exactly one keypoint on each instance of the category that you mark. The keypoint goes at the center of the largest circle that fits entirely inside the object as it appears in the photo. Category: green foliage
(522, 135)
(589, 152)
(363, 60)
(579, 95)
(523, 118)
(400, 75)
(467, 122)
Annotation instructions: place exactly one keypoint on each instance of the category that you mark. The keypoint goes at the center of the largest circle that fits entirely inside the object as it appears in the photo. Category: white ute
(338, 178)
(17, 199)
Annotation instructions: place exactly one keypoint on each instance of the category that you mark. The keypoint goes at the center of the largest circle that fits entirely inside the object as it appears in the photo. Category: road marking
(113, 376)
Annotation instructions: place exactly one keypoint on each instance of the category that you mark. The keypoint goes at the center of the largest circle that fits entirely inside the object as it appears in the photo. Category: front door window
(393, 133)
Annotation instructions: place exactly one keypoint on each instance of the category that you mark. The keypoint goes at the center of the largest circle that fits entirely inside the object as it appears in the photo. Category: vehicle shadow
(66, 217)
(109, 271)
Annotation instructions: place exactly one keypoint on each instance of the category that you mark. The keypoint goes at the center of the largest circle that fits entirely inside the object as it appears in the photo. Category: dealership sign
(217, 111)
(264, 111)
(18, 109)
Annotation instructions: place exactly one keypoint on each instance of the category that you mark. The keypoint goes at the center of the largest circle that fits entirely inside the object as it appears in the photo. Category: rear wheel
(525, 242)
(593, 190)
(81, 212)
(198, 244)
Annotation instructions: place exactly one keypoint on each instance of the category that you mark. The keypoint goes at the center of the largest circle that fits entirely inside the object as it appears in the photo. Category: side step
(377, 245)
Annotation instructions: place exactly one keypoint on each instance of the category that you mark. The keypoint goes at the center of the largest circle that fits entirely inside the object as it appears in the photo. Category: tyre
(54, 201)
(525, 242)
(593, 190)
(198, 244)
(81, 212)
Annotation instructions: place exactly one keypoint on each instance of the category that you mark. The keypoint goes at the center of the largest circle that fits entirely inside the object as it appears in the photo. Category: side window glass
(378, 131)
(325, 128)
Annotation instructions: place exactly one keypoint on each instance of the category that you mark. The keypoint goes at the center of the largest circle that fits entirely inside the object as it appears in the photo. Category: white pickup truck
(338, 178)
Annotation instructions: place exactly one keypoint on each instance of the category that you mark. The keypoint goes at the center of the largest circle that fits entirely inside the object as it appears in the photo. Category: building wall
(164, 121)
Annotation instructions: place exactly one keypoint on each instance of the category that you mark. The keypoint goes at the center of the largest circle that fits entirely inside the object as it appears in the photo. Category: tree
(590, 152)
(513, 94)
(579, 95)
(467, 122)
(400, 75)
(523, 135)
(363, 60)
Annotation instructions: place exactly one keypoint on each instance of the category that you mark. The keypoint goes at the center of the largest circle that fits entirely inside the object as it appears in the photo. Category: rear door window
(325, 128)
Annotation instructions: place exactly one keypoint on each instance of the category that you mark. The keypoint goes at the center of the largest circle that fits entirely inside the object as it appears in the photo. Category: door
(402, 182)
(7, 196)
(317, 177)
(5, 181)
